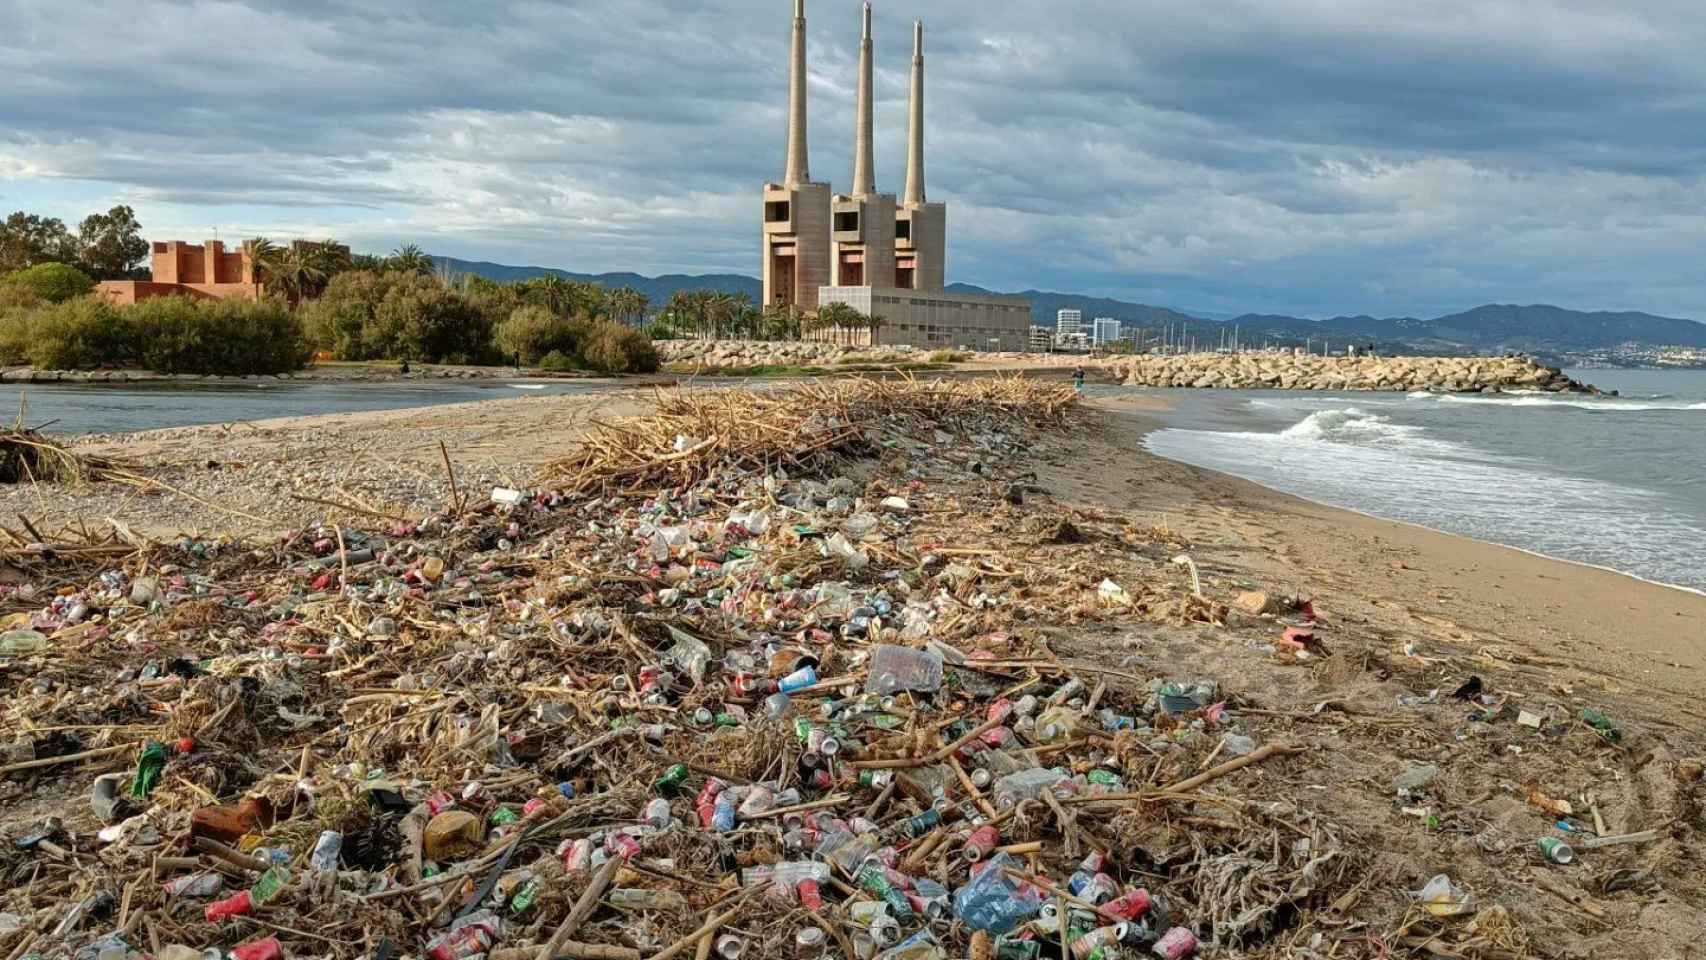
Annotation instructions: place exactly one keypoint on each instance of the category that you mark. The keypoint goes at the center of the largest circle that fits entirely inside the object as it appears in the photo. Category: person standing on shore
(1078, 379)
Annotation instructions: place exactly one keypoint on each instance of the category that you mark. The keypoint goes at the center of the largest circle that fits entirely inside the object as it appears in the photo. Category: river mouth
(79, 408)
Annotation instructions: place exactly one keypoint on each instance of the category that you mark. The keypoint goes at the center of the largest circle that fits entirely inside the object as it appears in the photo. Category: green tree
(302, 270)
(410, 258)
(532, 332)
(840, 320)
(111, 244)
(53, 282)
(612, 348)
(264, 256)
(421, 318)
(79, 334)
(875, 322)
(628, 306)
(27, 239)
(217, 336)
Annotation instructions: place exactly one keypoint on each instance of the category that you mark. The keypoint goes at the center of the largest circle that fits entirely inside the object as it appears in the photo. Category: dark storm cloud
(1388, 156)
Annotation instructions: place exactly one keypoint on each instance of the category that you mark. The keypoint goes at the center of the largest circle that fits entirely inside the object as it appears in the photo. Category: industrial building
(866, 249)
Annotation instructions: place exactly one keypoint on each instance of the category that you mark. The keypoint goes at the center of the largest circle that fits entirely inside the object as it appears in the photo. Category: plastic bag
(992, 901)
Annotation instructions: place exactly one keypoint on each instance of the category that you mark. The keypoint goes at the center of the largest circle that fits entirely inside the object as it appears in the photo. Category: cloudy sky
(1305, 156)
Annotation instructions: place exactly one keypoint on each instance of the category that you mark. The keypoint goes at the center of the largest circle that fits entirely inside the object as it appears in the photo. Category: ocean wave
(1402, 476)
(1599, 405)
(1351, 425)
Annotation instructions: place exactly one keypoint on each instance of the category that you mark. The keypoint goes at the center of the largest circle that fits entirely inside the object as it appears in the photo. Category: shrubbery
(364, 315)
(74, 335)
(169, 335)
(52, 282)
(529, 334)
(230, 337)
(612, 348)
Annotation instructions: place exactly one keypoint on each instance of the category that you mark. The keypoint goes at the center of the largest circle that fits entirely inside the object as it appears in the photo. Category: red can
(982, 843)
(1128, 906)
(708, 792)
(267, 949)
(998, 737)
(1176, 944)
(622, 845)
(439, 802)
(237, 905)
(810, 898)
(577, 855)
(999, 711)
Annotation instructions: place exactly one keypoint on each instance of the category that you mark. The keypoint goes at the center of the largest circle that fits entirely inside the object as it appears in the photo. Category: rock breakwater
(1266, 371)
(762, 353)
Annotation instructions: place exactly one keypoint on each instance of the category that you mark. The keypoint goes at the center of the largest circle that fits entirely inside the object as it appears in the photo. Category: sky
(1313, 157)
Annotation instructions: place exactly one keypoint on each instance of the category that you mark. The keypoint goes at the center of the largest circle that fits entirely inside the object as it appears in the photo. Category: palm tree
(299, 271)
(410, 258)
(685, 313)
(840, 318)
(333, 257)
(628, 305)
(874, 322)
(263, 256)
(550, 291)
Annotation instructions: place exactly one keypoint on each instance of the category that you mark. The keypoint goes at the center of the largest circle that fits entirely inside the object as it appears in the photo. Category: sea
(1615, 482)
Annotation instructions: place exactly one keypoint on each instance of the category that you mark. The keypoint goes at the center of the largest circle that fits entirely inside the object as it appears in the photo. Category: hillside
(1554, 333)
(656, 289)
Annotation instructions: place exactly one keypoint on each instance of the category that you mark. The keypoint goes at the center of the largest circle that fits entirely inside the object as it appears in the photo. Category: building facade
(1068, 322)
(188, 269)
(882, 256)
(1104, 330)
(933, 321)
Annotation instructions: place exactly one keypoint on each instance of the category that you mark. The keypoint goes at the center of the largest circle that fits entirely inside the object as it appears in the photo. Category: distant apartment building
(1104, 330)
(1068, 322)
(1042, 340)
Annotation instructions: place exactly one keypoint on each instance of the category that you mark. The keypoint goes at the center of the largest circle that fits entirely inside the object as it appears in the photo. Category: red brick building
(196, 270)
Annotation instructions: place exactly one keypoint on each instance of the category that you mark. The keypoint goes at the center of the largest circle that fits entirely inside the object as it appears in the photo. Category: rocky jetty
(1274, 371)
(763, 353)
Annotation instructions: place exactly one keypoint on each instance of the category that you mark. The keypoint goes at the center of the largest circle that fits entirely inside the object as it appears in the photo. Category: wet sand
(1390, 576)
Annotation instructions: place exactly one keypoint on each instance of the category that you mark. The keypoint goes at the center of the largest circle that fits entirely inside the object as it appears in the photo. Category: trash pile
(746, 678)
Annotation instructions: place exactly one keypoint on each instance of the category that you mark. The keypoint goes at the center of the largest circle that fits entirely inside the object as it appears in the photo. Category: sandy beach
(245, 478)
(1407, 616)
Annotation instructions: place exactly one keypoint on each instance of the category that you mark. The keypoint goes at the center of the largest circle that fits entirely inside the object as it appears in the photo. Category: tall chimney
(863, 182)
(915, 129)
(799, 168)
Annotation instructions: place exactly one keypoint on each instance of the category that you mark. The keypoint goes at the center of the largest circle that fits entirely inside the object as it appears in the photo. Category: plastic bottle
(895, 668)
(636, 899)
(326, 850)
(22, 643)
(1025, 785)
(195, 886)
(1057, 724)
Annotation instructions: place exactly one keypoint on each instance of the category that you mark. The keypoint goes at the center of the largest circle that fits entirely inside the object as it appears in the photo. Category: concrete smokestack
(799, 167)
(915, 128)
(864, 183)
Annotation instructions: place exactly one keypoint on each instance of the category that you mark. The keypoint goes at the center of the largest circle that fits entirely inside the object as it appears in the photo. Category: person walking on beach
(1078, 379)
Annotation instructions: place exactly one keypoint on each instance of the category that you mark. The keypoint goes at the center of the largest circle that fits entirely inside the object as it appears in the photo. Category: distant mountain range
(1555, 333)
